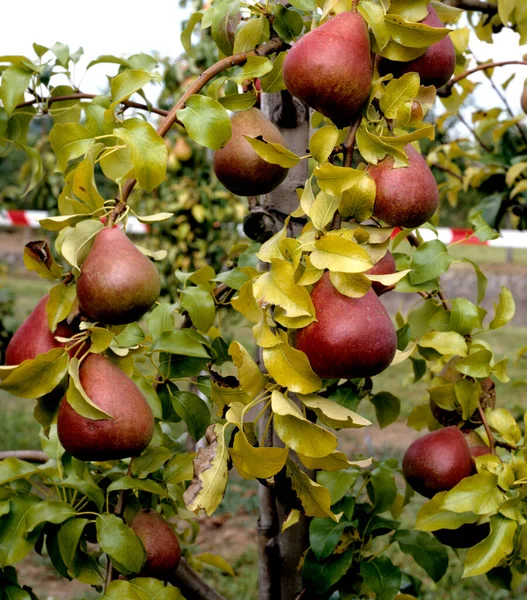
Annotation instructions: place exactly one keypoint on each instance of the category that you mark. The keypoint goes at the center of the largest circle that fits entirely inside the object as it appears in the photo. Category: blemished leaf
(251, 378)
(320, 576)
(504, 310)
(15, 544)
(324, 535)
(225, 17)
(261, 463)
(445, 342)
(333, 414)
(210, 473)
(35, 378)
(387, 408)
(315, 498)
(148, 152)
(337, 253)
(486, 555)
(273, 153)
(38, 258)
(479, 494)
(179, 342)
(290, 367)
(206, 121)
(382, 577)
(69, 141)
(429, 261)
(297, 432)
(194, 411)
(127, 83)
(427, 552)
(120, 543)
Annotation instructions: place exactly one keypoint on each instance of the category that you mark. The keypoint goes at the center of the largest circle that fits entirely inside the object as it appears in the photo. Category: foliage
(179, 356)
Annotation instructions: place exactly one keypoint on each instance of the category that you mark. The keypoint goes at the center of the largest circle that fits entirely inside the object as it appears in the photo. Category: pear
(437, 64)
(34, 336)
(524, 99)
(118, 283)
(238, 166)
(126, 434)
(437, 462)
(183, 150)
(330, 68)
(385, 266)
(352, 337)
(406, 196)
(163, 552)
(466, 536)
(476, 445)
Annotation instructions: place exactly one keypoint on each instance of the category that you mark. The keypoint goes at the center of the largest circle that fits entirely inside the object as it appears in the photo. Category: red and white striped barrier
(31, 218)
(509, 238)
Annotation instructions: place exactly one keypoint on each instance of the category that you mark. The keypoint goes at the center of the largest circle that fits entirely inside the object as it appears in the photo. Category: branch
(270, 47)
(446, 170)
(29, 455)
(474, 5)
(446, 90)
(192, 585)
(349, 144)
(473, 132)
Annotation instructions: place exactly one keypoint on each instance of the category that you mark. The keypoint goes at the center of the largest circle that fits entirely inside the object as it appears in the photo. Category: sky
(124, 28)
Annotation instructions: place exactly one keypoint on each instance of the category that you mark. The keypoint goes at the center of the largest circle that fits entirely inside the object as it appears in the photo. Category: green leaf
(429, 261)
(254, 66)
(427, 552)
(161, 319)
(132, 335)
(273, 153)
(15, 542)
(193, 410)
(225, 19)
(49, 511)
(445, 342)
(249, 35)
(186, 34)
(69, 141)
(287, 23)
(120, 543)
(60, 303)
(237, 102)
(148, 152)
(492, 550)
(131, 483)
(482, 230)
(152, 459)
(504, 310)
(180, 468)
(127, 83)
(322, 576)
(324, 535)
(477, 364)
(465, 316)
(211, 473)
(322, 142)
(69, 538)
(38, 377)
(273, 81)
(432, 517)
(338, 482)
(382, 577)
(179, 342)
(15, 81)
(381, 489)
(398, 92)
(12, 469)
(199, 304)
(206, 121)
(387, 408)
(413, 35)
(479, 494)
(77, 397)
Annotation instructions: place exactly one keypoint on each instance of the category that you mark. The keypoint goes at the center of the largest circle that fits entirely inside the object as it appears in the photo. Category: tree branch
(474, 5)
(446, 90)
(446, 170)
(473, 132)
(192, 585)
(349, 144)
(29, 455)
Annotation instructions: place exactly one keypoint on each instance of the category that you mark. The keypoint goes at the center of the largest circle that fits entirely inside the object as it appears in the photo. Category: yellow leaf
(335, 180)
(216, 561)
(333, 462)
(352, 285)
(261, 463)
(246, 305)
(251, 378)
(336, 253)
(315, 498)
(292, 519)
(333, 414)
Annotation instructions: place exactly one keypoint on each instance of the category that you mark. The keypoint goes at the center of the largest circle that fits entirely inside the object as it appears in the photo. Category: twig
(349, 144)
(474, 5)
(492, 441)
(29, 455)
(445, 90)
(473, 131)
(446, 170)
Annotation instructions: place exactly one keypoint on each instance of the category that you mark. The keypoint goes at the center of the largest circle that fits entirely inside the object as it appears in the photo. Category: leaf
(322, 142)
(49, 511)
(225, 19)
(333, 414)
(199, 304)
(38, 258)
(387, 408)
(148, 152)
(413, 35)
(287, 23)
(78, 399)
(186, 34)
(397, 92)
(68, 539)
(504, 424)
(249, 35)
(358, 201)
(297, 432)
(60, 303)
(179, 342)
(14, 543)
(251, 378)
(180, 468)
(337, 253)
(465, 316)
(427, 552)
(254, 66)
(120, 543)
(12, 469)
(322, 576)
(445, 342)
(479, 494)
(161, 319)
(69, 141)
(324, 535)
(216, 561)
(15, 81)
(429, 261)
(273, 153)
(314, 498)
(206, 121)
(38, 377)
(290, 368)
(382, 577)
(351, 285)
(193, 410)
(338, 483)
(77, 241)
(211, 473)
(127, 83)
(335, 180)
(131, 483)
(132, 335)
(273, 81)
(152, 459)
(261, 463)
(504, 310)
(432, 517)
(490, 552)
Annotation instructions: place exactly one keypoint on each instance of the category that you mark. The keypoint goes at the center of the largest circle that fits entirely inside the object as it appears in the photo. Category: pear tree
(336, 190)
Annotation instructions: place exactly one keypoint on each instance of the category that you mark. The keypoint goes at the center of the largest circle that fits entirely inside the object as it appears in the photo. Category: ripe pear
(437, 461)
(437, 64)
(407, 196)
(238, 166)
(476, 445)
(466, 536)
(126, 434)
(34, 336)
(385, 266)
(118, 283)
(351, 338)
(183, 150)
(330, 68)
(524, 99)
(163, 552)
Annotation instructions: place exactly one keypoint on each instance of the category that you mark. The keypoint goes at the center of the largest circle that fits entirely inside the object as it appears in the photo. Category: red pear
(351, 338)
(126, 434)
(476, 445)
(330, 68)
(34, 336)
(437, 462)
(385, 266)
(163, 552)
(118, 283)
(406, 196)
(437, 64)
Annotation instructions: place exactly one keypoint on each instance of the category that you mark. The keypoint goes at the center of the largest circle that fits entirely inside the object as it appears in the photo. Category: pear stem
(349, 144)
